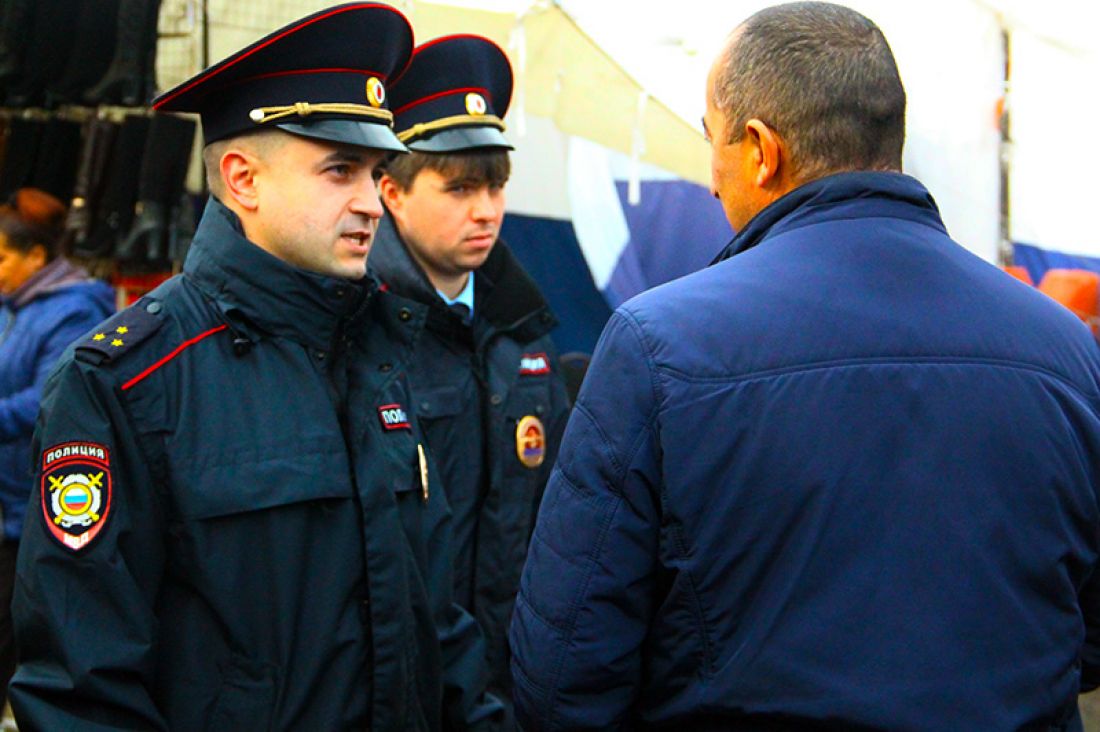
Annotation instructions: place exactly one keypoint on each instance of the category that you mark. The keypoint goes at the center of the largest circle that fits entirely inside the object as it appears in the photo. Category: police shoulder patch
(121, 332)
(76, 492)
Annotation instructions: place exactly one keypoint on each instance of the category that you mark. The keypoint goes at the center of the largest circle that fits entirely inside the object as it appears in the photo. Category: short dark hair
(824, 78)
(489, 165)
(33, 218)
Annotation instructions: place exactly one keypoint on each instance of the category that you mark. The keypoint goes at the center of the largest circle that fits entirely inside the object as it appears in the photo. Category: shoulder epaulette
(121, 332)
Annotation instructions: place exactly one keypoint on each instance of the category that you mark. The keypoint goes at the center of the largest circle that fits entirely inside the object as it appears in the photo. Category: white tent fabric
(629, 75)
(667, 55)
(1054, 157)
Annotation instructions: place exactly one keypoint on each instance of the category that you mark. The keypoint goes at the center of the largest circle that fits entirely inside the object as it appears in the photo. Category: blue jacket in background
(32, 338)
(846, 478)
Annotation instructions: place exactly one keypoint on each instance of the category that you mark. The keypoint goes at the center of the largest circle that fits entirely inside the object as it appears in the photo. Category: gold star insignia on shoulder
(98, 337)
(122, 330)
(116, 342)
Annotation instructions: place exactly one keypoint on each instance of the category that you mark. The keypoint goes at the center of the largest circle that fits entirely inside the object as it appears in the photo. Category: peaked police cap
(323, 76)
(453, 96)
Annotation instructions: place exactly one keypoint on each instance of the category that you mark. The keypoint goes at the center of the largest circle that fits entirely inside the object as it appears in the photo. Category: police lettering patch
(534, 364)
(393, 417)
(76, 492)
(530, 441)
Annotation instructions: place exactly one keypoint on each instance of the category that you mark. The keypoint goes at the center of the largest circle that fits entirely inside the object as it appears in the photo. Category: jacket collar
(505, 295)
(890, 194)
(248, 282)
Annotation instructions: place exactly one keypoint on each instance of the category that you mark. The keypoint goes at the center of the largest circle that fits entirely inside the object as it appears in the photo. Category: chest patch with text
(534, 364)
(394, 417)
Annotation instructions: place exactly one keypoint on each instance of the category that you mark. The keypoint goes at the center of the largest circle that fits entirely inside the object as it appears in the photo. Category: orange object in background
(1077, 289)
(133, 286)
(1020, 273)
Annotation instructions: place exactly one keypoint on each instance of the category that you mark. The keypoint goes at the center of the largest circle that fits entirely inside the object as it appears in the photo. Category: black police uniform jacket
(472, 386)
(262, 555)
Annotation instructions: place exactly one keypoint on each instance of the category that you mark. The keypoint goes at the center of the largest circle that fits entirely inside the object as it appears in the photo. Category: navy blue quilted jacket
(845, 478)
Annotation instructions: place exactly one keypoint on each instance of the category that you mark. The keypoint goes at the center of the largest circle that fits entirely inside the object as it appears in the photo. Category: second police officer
(484, 374)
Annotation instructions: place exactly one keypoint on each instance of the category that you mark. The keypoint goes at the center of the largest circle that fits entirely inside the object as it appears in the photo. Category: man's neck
(450, 285)
(465, 296)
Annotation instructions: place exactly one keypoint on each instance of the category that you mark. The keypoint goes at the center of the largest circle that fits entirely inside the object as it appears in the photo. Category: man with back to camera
(485, 372)
(234, 524)
(844, 478)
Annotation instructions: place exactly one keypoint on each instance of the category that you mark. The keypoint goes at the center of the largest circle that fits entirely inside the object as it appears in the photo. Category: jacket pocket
(261, 479)
(441, 401)
(246, 700)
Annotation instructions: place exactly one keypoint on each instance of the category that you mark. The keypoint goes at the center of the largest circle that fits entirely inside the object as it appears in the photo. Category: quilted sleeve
(584, 602)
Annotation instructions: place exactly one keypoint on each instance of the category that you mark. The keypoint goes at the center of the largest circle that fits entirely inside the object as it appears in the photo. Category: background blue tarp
(1037, 261)
(677, 229)
(549, 251)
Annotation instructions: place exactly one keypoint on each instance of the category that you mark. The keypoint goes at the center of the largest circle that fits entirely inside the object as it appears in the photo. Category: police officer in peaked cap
(485, 373)
(234, 527)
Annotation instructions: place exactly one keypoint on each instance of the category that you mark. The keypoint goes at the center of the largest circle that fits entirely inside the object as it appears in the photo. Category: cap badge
(475, 104)
(530, 441)
(76, 492)
(376, 93)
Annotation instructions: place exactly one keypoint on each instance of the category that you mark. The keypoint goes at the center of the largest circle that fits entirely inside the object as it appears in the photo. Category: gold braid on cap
(459, 120)
(260, 115)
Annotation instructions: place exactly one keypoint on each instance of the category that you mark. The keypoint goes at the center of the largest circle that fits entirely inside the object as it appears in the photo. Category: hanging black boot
(14, 24)
(114, 212)
(91, 176)
(160, 185)
(91, 48)
(129, 79)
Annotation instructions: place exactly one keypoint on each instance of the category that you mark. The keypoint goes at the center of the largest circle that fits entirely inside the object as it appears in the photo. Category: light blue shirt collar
(466, 297)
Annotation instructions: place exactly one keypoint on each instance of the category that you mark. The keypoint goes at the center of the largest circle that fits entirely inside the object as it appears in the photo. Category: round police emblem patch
(376, 93)
(475, 104)
(76, 492)
(530, 441)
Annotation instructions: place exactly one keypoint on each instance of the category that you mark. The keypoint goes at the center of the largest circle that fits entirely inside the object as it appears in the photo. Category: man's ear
(238, 170)
(391, 193)
(767, 152)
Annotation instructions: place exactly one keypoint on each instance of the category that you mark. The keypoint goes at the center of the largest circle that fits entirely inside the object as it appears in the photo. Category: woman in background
(46, 303)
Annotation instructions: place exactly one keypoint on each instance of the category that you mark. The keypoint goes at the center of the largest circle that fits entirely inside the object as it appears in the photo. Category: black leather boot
(163, 171)
(49, 31)
(129, 79)
(91, 174)
(114, 212)
(91, 47)
(14, 23)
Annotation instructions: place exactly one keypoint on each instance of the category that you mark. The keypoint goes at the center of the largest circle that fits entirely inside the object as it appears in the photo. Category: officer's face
(16, 267)
(449, 224)
(318, 205)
